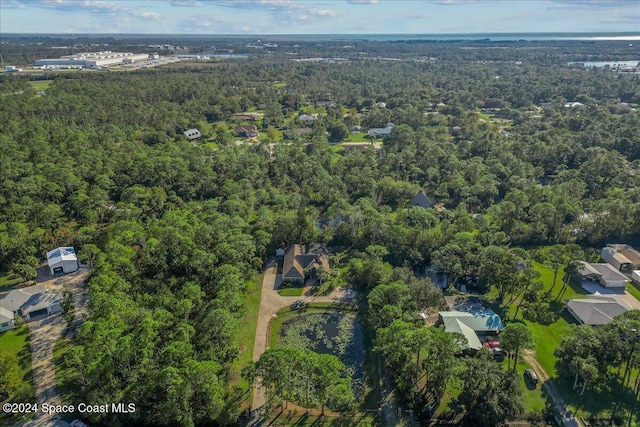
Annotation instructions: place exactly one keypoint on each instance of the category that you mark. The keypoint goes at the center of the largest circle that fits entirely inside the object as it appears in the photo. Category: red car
(491, 344)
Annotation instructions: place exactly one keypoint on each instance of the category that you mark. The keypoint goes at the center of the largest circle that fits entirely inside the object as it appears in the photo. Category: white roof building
(470, 323)
(62, 260)
(192, 134)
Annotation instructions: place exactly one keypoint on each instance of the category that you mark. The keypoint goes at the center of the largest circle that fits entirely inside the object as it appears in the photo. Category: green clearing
(358, 137)
(66, 377)
(8, 282)
(633, 290)
(40, 84)
(291, 292)
(247, 331)
(16, 341)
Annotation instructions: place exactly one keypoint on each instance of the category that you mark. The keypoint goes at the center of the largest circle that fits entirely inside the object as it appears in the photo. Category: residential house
(306, 119)
(381, 132)
(421, 200)
(603, 273)
(62, 260)
(247, 117)
(246, 131)
(30, 302)
(616, 259)
(299, 259)
(330, 105)
(470, 324)
(192, 134)
(623, 257)
(597, 309)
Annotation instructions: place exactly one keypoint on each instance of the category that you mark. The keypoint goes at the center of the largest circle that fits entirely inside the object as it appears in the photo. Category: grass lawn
(247, 331)
(358, 137)
(290, 292)
(16, 341)
(65, 376)
(8, 282)
(40, 84)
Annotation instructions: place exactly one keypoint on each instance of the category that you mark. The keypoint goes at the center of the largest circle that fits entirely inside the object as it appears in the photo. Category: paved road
(44, 333)
(552, 391)
(270, 303)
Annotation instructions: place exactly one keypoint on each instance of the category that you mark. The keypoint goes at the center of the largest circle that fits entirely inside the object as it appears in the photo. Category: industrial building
(93, 59)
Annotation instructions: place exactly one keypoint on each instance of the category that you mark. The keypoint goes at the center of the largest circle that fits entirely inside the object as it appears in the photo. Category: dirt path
(270, 303)
(550, 388)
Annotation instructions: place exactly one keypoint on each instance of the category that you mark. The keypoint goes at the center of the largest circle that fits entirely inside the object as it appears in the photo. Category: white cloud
(98, 7)
(362, 1)
(186, 3)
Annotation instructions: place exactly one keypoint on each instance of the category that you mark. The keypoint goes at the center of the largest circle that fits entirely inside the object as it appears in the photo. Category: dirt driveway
(44, 333)
(550, 387)
(270, 303)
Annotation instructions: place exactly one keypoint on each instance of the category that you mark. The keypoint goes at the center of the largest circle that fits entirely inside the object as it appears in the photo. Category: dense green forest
(175, 229)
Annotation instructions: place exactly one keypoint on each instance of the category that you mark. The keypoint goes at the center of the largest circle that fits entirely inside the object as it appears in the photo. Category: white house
(62, 260)
(306, 119)
(381, 132)
(192, 134)
(30, 302)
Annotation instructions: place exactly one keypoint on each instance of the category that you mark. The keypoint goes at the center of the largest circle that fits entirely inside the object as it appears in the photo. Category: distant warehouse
(93, 59)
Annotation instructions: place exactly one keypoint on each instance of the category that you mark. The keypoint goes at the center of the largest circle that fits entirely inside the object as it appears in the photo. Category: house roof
(246, 129)
(632, 255)
(299, 257)
(192, 133)
(421, 200)
(28, 299)
(477, 320)
(5, 315)
(604, 270)
(456, 326)
(381, 131)
(306, 117)
(597, 309)
(61, 254)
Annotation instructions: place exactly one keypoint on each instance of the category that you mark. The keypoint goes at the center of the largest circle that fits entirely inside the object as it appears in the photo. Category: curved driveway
(270, 303)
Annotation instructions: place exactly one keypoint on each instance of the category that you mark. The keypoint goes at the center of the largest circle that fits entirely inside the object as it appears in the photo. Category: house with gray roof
(597, 309)
(603, 273)
(381, 132)
(30, 303)
(421, 200)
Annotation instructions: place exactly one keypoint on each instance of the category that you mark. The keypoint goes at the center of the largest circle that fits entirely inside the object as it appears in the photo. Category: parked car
(297, 305)
(531, 376)
(498, 354)
(491, 344)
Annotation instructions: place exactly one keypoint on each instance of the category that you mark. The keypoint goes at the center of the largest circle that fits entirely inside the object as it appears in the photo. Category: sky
(318, 16)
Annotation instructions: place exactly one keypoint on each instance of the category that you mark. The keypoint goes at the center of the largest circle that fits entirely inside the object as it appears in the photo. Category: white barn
(62, 260)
